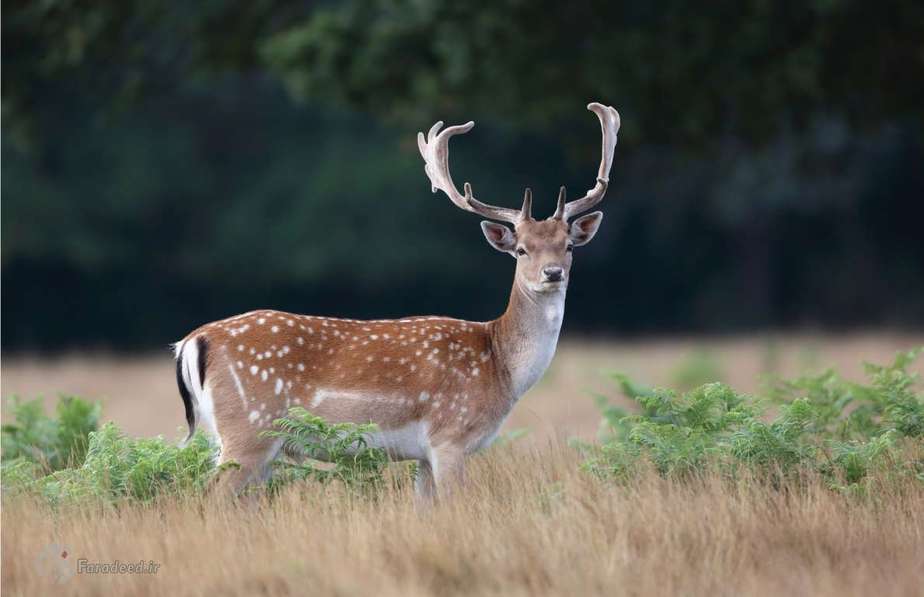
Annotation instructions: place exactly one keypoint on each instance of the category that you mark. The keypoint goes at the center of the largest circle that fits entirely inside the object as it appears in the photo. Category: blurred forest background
(169, 163)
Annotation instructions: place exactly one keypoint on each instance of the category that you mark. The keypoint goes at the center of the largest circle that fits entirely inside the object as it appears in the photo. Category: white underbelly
(410, 442)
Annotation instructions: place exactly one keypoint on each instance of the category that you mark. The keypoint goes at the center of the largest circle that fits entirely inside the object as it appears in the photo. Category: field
(530, 521)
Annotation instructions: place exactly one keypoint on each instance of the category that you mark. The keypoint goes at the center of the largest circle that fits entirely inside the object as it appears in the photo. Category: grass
(815, 489)
(529, 522)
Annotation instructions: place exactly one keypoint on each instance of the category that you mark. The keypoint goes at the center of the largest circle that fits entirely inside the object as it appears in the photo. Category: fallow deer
(437, 388)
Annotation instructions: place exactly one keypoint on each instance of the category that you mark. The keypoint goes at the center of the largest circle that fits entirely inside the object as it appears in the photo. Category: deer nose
(553, 273)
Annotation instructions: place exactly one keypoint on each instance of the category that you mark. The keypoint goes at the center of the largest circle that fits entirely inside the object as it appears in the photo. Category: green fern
(52, 443)
(121, 468)
(66, 458)
(840, 429)
(343, 447)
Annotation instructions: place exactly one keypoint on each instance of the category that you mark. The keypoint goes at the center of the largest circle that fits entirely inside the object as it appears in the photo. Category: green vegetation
(342, 447)
(839, 429)
(52, 443)
(118, 467)
(68, 458)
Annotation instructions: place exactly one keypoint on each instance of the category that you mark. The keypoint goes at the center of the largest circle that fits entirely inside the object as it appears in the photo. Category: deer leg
(254, 464)
(425, 484)
(448, 465)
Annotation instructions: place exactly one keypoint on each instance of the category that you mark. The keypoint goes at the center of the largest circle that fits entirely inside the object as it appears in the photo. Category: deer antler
(609, 123)
(435, 152)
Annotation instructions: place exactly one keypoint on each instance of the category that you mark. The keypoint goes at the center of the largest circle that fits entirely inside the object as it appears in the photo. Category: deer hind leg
(253, 458)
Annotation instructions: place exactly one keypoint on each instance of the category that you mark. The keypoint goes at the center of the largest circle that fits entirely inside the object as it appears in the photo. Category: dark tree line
(168, 163)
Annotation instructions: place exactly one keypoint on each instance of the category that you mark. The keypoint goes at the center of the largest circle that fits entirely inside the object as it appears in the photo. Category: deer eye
(521, 251)
(569, 248)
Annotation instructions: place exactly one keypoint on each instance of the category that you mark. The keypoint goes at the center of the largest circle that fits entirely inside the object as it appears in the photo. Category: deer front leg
(448, 468)
(424, 483)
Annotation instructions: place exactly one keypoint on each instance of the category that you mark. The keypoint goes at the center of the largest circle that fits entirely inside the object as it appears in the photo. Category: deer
(436, 388)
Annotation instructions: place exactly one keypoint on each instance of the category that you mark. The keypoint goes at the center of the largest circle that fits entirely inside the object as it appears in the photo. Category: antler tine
(560, 208)
(434, 148)
(609, 124)
(526, 211)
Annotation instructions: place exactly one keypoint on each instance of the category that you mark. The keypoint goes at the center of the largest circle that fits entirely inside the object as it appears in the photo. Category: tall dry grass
(529, 522)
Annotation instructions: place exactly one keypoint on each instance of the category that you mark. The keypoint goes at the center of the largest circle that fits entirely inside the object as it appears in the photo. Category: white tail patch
(203, 405)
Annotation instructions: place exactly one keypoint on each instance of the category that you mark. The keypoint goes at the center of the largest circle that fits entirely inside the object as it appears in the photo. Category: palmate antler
(609, 124)
(435, 151)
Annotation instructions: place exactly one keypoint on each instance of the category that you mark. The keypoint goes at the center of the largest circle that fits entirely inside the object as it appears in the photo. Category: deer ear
(499, 236)
(584, 228)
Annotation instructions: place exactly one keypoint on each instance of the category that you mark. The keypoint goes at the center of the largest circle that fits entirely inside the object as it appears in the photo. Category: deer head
(542, 248)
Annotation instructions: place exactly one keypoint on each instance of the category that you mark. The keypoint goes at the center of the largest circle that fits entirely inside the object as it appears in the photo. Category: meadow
(792, 478)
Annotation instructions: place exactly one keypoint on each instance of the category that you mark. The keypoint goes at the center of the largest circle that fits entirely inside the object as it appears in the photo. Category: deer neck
(525, 336)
